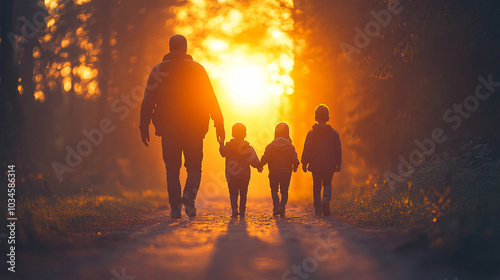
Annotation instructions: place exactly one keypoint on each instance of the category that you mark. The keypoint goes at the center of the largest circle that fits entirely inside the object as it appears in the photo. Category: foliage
(454, 200)
(88, 214)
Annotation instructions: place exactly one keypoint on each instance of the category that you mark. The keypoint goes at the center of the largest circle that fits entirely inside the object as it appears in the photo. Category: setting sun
(247, 84)
(247, 49)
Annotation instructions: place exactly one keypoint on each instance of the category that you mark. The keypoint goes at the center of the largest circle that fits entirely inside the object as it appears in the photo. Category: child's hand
(304, 168)
(295, 169)
(338, 168)
(260, 168)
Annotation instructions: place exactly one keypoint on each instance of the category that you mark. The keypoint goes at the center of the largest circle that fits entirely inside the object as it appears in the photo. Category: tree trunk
(10, 109)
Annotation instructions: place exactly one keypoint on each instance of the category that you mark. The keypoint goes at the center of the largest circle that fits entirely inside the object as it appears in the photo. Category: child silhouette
(322, 156)
(239, 156)
(282, 159)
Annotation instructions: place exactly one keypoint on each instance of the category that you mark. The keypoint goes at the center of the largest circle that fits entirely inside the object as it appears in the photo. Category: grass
(46, 219)
(453, 200)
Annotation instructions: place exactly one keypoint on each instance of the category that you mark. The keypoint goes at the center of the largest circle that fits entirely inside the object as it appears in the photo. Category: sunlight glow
(39, 95)
(67, 84)
(247, 84)
(246, 48)
(66, 74)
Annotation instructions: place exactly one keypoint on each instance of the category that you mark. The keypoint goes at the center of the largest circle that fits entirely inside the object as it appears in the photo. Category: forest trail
(215, 246)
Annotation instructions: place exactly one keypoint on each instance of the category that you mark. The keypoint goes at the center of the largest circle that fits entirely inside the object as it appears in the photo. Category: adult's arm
(147, 108)
(213, 107)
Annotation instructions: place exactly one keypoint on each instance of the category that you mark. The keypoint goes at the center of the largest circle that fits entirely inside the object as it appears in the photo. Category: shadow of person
(237, 254)
(298, 262)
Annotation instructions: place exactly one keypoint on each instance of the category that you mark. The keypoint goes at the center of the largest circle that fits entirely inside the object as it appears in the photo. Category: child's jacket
(280, 155)
(322, 149)
(239, 156)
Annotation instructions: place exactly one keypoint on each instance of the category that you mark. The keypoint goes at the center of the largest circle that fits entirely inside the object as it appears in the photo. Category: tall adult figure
(180, 100)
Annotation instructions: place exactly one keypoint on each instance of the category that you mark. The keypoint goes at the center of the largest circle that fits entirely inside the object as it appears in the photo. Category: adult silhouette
(180, 100)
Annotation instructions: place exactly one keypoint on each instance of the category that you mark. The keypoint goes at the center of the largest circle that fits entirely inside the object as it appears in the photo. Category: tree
(10, 110)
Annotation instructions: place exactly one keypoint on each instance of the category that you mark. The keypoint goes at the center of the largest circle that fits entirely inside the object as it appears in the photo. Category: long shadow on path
(95, 262)
(238, 255)
(298, 267)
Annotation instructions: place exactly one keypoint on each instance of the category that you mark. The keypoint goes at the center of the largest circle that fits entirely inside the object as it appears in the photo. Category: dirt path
(214, 246)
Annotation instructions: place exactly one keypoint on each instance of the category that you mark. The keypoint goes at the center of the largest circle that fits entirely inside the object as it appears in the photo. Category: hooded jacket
(179, 98)
(239, 156)
(280, 155)
(322, 149)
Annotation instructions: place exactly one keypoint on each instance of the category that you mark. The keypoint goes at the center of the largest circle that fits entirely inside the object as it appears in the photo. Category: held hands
(221, 134)
(304, 167)
(260, 167)
(145, 136)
